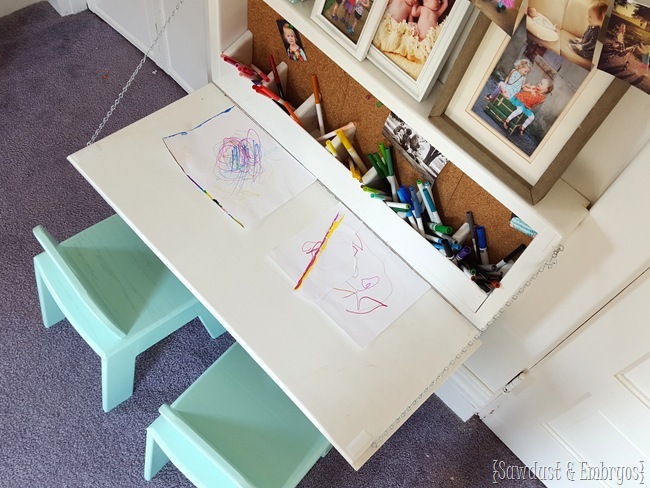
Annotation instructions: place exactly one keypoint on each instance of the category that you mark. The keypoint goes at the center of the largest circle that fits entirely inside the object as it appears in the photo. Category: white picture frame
(420, 86)
(357, 43)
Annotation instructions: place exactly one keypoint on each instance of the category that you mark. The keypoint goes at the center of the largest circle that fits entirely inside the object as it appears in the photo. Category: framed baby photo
(520, 109)
(414, 39)
(351, 23)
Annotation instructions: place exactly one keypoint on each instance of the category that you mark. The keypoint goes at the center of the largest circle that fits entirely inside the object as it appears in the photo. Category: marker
(482, 244)
(252, 77)
(470, 221)
(332, 134)
(354, 171)
(462, 233)
(371, 176)
(463, 253)
(428, 199)
(373, 190)
(417, 209)
(382, 164)
(276, 76)
(351, 151)
(330, 147)
(439, 240)
(383, 198)
(509, 257)
(376, 166)
(399, 206)
(230, 60)
(292, 114)
(262, 74)
(447, 248)
(319, 109)
(444, 229)
(392, 181)
(403, 195)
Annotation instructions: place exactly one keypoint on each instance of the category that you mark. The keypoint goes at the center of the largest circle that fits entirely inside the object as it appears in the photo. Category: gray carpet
(58, 76)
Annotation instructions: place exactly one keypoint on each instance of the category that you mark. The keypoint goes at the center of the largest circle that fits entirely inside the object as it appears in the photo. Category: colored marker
(509, 257)
(447, 248)
(319, 109)
(383, 198)
(463, 253)
(399, 206)
(330, 147)
(482, 244)
(392, 181)
(462, 233)
(381, 163)
(404, 197)
(472, 229)
(276, 76)
(351, 151)
(373, 190)
(332, 134)
(262, 74)
(376, 166)
(439, 240)
(354, 171)
(417, 209)
(428, 199)
(444, 229)
(371, 176)
(230, 60)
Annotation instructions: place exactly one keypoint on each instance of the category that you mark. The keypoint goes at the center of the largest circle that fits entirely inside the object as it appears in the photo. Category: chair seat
(235, 427)
(118, 296)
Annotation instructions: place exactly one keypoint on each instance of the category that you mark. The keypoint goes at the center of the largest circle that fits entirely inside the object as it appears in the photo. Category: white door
(585, 409)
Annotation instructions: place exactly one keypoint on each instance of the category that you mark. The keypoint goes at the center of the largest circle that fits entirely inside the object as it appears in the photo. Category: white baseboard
(464, 393)
(67, 7)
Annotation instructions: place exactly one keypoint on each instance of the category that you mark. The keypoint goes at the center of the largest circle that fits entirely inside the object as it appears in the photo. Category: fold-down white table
(356, 397)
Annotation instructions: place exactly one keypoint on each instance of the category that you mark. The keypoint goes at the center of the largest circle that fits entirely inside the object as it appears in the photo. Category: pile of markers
(466, 246)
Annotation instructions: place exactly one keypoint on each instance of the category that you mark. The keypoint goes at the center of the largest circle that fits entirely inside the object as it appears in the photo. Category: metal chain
(548, 264)
(134, 74)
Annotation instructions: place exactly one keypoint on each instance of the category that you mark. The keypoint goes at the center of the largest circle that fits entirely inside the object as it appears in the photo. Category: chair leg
(50, 311)
(212, 325)
(118, 374)
(154, 457)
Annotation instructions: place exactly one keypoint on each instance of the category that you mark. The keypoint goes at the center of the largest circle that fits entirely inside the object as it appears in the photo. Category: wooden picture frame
(325, 14)
(417, 78)
(532, 190)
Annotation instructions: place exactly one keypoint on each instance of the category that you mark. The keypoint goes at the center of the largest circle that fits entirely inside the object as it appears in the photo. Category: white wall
(615, 143)
(9, 6)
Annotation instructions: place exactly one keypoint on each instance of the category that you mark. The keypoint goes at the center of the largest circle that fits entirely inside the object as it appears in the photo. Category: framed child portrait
(351, 22)
(521, 109)
(414, 39)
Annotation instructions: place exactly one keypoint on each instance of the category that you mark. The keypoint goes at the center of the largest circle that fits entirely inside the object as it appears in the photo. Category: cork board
(344, 101)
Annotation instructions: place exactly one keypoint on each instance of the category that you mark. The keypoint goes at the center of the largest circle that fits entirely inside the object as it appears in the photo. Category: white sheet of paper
(355, 278)
(240, 165)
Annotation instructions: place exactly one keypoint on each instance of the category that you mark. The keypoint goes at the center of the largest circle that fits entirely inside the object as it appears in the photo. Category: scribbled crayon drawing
(369, 287)
(239, 160)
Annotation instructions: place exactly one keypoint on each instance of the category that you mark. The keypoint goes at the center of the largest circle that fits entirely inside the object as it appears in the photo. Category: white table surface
(352, 395)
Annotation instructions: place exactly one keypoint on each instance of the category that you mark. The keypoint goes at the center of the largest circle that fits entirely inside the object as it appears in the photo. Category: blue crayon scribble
(239, 160)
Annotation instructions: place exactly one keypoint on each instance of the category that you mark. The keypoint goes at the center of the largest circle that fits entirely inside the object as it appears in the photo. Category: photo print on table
(626, 44)
(528, 90)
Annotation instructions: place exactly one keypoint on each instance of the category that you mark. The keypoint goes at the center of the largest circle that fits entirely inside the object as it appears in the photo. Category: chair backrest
(91, 299)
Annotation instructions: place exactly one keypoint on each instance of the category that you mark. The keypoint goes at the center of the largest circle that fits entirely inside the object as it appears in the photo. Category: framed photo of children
(528, 109)
(351, 22)
(414, 39)
(626, 44)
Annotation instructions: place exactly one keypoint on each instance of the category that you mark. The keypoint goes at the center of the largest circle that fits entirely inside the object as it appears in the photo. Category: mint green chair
(234, 427)
(118, 296)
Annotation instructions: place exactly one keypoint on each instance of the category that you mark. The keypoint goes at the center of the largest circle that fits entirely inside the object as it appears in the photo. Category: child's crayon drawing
(338, 263)
(239, 165)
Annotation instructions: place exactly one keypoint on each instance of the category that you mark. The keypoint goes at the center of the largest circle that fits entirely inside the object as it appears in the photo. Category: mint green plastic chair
(117, 295)
(234, 427)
